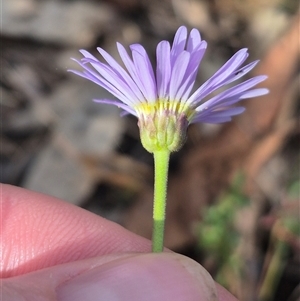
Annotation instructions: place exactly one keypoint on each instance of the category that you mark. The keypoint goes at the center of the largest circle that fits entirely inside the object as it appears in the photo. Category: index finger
(39, 231)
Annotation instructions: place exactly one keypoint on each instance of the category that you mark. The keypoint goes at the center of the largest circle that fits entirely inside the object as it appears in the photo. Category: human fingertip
(144, 277)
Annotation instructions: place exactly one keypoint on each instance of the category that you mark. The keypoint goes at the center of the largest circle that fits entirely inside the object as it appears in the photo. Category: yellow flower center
(176, 107)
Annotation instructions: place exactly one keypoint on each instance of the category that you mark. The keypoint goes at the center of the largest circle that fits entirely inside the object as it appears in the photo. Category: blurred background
(233, 198)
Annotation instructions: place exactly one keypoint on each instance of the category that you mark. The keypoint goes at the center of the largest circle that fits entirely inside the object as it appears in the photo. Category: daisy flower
(164, 99)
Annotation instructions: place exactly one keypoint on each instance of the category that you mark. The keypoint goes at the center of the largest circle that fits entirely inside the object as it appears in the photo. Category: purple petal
(179, 43)
(241, 72)
(178, 73)
(111, 77)
(131, 68)
(232, 93)
(225, 112)
(237, 74)
(163, 69)
(220, 76)
(217, 116)
(213, 120)
(121, 73)
(255, 93)
(144, 71)
(96, 78)
(191, 72)
(193, 40)
(118, 104)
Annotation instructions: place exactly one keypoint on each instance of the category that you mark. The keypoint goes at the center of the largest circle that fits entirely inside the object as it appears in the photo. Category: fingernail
(142, 277)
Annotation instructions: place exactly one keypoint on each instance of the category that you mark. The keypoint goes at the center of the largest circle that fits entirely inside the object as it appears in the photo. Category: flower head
(163, 100)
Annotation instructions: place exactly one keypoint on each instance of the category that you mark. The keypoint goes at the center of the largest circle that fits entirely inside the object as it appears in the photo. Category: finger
(141, 277)
(223, 294)
(40, 231)
(24, 217)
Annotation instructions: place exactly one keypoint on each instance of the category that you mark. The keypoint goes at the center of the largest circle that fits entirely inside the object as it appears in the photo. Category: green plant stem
(161, 167)
(274, 272)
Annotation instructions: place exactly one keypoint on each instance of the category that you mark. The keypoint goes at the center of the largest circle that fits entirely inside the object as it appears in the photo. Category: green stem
(274, 272)
(161, 167)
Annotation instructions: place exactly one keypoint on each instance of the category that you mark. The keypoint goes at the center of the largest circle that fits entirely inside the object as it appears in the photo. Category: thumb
(144, 277)
(134, 277)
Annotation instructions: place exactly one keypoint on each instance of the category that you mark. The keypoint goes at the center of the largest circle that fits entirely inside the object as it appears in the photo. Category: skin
(52, 250)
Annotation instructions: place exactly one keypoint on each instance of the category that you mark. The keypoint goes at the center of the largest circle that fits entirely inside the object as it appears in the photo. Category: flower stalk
(161, 167)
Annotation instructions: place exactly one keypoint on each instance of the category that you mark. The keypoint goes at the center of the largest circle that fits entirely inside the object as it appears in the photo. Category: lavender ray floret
(110, 76)
(179, 43)
(178, 73)
(118, 104)
(221, 75)
(191, 73)
(144, 71)
(163, 68)
(131, 68)
(194, 40)
(232, 92)
(121, 72)
(97, 79)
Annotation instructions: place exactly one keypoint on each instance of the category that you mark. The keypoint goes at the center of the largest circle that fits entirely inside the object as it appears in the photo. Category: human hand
(52, 250)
